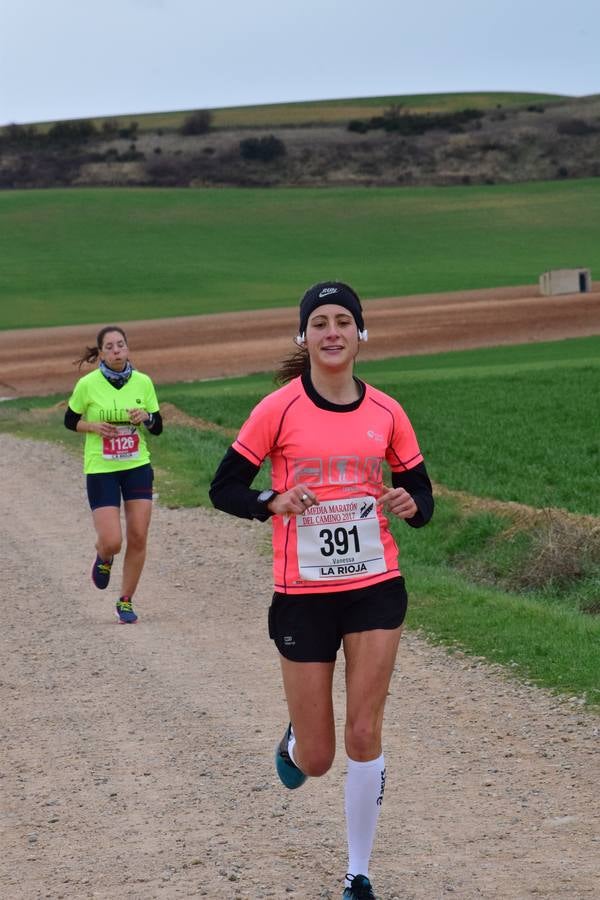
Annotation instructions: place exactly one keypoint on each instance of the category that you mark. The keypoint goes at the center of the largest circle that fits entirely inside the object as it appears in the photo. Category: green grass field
(91, 255)
(504, 422)
(497, 424)
(507, 423)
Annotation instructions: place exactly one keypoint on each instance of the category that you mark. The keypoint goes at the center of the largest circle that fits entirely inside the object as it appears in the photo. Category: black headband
(330, 292)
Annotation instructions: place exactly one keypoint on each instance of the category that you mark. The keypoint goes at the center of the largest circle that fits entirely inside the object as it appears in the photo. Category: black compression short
(310, 627)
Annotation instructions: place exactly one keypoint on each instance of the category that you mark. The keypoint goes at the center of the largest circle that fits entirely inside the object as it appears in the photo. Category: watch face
(265, 496)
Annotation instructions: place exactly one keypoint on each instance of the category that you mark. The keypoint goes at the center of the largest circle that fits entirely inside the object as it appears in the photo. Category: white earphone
(300, 339)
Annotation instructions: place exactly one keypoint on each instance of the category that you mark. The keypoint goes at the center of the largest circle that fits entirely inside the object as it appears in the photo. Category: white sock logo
(382, 788)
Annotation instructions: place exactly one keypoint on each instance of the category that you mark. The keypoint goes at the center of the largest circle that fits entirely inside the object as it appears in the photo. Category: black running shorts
(310, 627)
(106, 488)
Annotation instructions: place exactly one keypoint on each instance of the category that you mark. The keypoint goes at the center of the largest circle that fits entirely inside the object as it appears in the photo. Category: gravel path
(137, 761)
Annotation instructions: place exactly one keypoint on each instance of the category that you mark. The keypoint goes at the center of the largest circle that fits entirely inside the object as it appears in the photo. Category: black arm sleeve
(230, 488)
(155, 425)
(71, 419)
(416, 482)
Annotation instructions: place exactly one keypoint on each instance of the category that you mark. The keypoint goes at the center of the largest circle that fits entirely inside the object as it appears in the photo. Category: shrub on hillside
(21, 136)
(358, 125)
(59, 135)
(264, 149)
(576, 127)
(131, 155)
(69, 133)
(399, 122)
(129, 131)
(198, 122)
(41, 169)
(109, 128)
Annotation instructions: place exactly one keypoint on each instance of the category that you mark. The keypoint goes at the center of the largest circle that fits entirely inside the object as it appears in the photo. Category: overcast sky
(77, 58)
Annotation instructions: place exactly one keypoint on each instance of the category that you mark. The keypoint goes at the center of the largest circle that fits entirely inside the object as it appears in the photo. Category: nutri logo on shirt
(114, 415)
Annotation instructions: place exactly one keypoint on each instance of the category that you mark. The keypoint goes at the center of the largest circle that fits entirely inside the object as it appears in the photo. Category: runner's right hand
(104, 429)
(291, 503)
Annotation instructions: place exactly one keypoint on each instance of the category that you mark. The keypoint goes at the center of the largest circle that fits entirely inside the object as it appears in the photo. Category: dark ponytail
(297, 363)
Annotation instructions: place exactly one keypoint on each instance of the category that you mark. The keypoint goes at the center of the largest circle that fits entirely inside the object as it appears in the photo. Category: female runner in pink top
(328, 437)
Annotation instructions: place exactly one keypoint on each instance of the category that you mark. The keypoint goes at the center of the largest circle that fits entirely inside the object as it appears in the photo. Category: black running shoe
(288, 771)
(101, 572)
(360, 889)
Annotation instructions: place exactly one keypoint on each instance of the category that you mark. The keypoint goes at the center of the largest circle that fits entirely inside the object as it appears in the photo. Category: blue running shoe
(125, 613)
(288, 772)
(360, 889)
(101, 572)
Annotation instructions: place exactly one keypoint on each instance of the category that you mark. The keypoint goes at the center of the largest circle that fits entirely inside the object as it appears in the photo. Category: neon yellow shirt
(96, 400)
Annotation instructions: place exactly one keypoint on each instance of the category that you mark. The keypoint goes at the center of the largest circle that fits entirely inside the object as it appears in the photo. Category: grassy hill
(324, 112)
(428, 139)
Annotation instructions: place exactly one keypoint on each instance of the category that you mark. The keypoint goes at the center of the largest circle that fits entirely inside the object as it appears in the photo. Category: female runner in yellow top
(115, 406)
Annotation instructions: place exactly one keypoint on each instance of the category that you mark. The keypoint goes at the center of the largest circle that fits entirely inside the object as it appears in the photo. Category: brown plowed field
(39, 361)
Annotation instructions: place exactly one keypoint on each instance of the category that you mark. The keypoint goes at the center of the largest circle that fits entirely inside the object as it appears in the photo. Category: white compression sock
(365, 783)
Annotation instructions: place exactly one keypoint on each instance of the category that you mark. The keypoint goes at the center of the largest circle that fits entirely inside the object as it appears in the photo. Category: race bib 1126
(124, 445)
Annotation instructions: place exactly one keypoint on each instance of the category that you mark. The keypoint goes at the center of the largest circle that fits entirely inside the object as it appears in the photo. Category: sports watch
(266, 496)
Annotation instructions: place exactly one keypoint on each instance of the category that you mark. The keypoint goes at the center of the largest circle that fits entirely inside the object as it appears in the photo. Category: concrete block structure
(566, 281)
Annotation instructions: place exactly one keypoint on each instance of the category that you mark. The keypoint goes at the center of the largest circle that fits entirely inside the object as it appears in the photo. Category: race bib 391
(340, 539)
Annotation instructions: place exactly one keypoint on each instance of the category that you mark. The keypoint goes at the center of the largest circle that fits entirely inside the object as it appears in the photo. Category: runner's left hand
(137, 415)
(398, 502)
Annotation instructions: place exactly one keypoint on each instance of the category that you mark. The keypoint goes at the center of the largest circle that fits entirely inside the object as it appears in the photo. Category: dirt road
(39, 361)
(137, 761)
